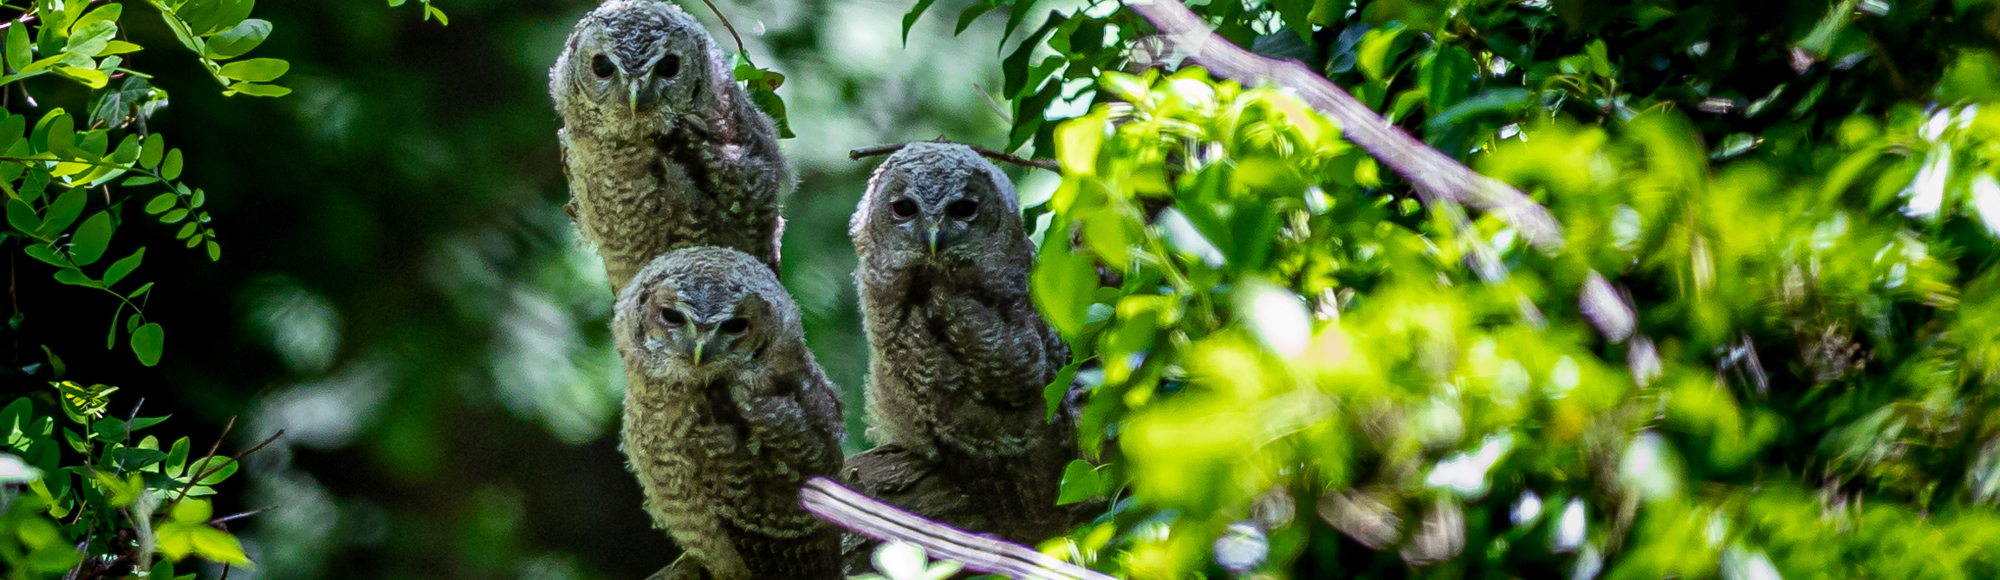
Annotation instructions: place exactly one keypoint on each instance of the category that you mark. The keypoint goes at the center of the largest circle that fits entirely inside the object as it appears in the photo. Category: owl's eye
(962, 209)
(904, 209)
(734, 326)
(672, 318)
(600, 65)
(668, 67)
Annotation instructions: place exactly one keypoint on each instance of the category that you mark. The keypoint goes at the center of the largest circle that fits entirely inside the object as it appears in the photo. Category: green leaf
(1057, 390)
(197, 199)
(176, 458)
(972, 13)
(171, 168)
(260, 90)
(223, 467)
(910, 19)
(107, 13)
(64, 212)
(187, 230)
(143, 288)
(89, 39)
(1447, 79)
(91, 238)
(76, 278)
(127, 151)
(119, 47)
(1080, 482)
(108, 430)
(1600, 59)
(47, 255)
(1014, 18)
(61, 135)
(1063, 284)
(214, 251)
(1297, 16)
(22, 217)
(1375, 53)
(238, 40)
(162, 202)
(18, 53)
(144, 422)
(151, 150)
(147, 343)
(123, 267)
(175, 216)
(255, 70)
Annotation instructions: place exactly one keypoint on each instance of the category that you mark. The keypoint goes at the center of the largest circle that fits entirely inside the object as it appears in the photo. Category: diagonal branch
(1049, 164)
(1435, 175)
(849, 509)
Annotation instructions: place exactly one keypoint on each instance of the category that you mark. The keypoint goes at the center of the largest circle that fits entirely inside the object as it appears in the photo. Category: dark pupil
(904, 208)
(963, 208)
(735, 325)
(668, 67)
(673, 317)
(601, 66)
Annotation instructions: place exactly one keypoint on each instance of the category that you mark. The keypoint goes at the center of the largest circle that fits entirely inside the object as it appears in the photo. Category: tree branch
(849, 509)
(878, 150)
(1435, 175)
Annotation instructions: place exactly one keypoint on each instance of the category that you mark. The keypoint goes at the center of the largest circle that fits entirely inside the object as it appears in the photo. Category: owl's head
(633, 58)
(704, 311)
(936, 202)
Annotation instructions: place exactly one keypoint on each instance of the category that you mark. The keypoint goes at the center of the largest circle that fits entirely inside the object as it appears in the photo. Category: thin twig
(204, 462)
(1436, 176)
(849, 509)
(207, 470)
(231, 518)
(732, 30)
(878, 150)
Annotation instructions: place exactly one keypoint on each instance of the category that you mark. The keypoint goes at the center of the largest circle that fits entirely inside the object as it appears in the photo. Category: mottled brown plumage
(727, 414)
(662, 148)
(960, 356)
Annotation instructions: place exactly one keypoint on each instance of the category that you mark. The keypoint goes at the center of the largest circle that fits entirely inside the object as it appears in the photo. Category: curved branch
(1435, 175)
(849, 509)
(878, 150)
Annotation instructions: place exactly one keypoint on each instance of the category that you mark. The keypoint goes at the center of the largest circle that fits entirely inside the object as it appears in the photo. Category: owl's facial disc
(698, 338)
(938, 222)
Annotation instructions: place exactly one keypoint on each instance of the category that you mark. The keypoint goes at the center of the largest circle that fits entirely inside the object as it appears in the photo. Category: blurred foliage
(1763, 353)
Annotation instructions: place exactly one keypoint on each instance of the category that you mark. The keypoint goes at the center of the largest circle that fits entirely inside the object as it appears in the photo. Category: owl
(661, 147)
(727, 414)
(959, 354)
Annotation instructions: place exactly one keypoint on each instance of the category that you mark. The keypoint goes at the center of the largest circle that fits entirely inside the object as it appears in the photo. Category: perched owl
(727, 414)
(663, 150)
(960, 356)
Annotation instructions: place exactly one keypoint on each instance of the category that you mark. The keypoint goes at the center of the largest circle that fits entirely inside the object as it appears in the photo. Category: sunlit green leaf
(147, 342)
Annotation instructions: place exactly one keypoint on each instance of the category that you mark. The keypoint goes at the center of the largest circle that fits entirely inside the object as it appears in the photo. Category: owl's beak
(632, 101)
(931, 237)
(704, 341)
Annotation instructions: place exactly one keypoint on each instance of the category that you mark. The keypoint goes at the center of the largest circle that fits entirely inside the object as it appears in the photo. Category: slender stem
(730, 27)
(879, 150)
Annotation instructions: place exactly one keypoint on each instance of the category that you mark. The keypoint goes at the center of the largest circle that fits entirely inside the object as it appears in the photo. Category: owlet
(727, 414)
(959, 354)
(662, 148)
